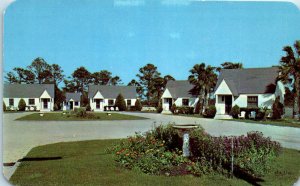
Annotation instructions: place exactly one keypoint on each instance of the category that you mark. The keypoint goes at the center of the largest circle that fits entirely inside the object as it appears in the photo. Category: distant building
(72, 101)
(36, 96)
(104, 96)
(247, 88)
(178, 93)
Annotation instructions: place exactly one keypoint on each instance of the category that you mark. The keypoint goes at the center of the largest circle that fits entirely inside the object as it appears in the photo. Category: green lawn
(87, 163)
(283, 122)
(62, 117)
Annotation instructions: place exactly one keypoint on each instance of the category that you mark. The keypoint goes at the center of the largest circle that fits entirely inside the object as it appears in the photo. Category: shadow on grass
(239, 173)
(40, 159)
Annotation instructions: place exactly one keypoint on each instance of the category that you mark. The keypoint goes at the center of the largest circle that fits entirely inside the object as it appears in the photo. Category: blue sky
(122, 36)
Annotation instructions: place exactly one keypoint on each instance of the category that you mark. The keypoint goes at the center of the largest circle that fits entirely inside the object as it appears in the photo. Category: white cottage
(178, 93)
(36, 96)
(72, 101)
(247, 88)
(104, 96)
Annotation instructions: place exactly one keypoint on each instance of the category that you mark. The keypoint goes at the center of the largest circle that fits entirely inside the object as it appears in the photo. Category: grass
(65, 117)
(287, 122)
(87, 163)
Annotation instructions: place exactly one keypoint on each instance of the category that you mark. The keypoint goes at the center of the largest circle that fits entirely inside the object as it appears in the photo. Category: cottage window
(11, 102)
(76, 103)
(185, 102)
(252, 101)
(110, 102)
(31, 101)
(128, 102)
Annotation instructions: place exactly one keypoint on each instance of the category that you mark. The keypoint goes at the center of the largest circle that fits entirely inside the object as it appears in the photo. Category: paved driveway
(20, 136)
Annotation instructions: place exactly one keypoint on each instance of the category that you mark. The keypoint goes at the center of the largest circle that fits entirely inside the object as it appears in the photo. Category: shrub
(120, 103)
(22, 105)
(4, 106)
(138, 105)
(159, 108)
(173, 108)
(185, 110)
(80, 112)
(277, 109)
(157, 152)
(210, 112)
(88, 107)
(235, 111)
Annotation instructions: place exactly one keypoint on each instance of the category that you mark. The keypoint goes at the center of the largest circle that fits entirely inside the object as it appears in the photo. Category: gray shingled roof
(27, 90)
(108, 91)
(179, 88)
(249, 81)
(75, 96)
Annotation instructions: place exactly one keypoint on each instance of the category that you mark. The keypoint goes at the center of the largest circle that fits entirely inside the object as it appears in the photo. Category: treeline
(149, 83)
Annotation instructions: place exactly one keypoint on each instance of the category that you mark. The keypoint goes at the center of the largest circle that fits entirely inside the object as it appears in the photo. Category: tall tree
(147, 74)
(20, 75)
(159, 85)
(158, 88)
(230, 65)
(101, 78)
(115, 80)
(57, 74)
(11, 78)
(204, 79)
(139, 89)
(290, 69)
(71, 85)
(41, 70)
(82, 77)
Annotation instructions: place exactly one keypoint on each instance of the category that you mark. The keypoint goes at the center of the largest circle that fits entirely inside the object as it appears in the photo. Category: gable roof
(179, 88)
(27, 90)
(250, 80)
(110, 91)
(75, 96)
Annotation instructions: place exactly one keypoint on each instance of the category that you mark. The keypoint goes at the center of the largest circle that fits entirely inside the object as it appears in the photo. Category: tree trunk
(296, 100)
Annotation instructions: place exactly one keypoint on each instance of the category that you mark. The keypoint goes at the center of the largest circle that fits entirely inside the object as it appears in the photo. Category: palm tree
(290, 69)
(204, 79)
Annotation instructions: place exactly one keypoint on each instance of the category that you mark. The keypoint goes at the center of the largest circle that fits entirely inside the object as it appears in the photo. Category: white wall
(67, 107)
(264, 100)
(220, 105)
(105, 103)
(178, 103)
(37, 103)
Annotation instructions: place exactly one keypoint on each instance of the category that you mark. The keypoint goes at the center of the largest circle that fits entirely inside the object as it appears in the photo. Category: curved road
(21, 136)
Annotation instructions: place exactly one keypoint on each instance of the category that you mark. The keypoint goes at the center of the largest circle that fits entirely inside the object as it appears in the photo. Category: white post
(186, 144)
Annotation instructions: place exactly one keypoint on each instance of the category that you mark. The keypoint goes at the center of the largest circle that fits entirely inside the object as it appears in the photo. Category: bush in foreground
(159, 152)
(22, 105)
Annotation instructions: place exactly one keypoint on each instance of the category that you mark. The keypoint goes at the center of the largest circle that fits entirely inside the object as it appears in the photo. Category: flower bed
(159, 152)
